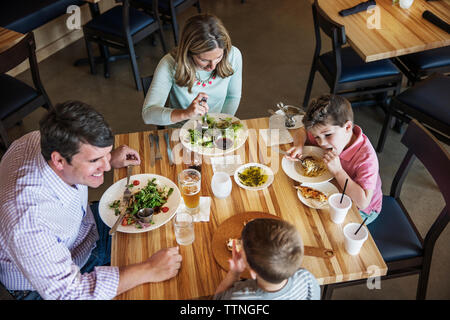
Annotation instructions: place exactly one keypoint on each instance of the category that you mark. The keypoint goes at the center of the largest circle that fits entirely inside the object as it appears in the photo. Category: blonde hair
(201, 33)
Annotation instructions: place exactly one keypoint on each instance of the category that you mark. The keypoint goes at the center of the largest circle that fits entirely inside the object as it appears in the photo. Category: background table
(403, 31)
(200, 274)
(8, 38)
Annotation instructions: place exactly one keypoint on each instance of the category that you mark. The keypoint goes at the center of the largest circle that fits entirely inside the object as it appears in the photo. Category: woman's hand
(124, 156)
(198, 106)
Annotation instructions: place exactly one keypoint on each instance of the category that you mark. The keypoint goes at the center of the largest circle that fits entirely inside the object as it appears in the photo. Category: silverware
(204, 118)
(152, 150)
(297, 159)
(169, 150)
(125, 200)
(158, 154)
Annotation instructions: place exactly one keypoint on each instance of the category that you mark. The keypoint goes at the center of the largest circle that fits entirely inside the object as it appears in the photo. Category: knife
(169, 150)
(152, 150)
(125, 200)
(158, 154)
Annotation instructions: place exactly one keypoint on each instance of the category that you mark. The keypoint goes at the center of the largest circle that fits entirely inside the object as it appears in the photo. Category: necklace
(203, 83)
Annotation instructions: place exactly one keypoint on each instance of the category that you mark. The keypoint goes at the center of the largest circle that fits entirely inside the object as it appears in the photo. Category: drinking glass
(189, 181)
(183, 224)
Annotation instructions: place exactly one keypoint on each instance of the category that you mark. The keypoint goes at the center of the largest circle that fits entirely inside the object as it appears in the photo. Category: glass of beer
(190, 181)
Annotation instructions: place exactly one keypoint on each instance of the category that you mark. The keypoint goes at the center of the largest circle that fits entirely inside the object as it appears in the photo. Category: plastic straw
(343, 192)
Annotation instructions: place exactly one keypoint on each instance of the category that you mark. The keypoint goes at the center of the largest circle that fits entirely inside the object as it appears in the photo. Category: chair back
(18, 53)
(424, 146)
(335, 31)
(146, 82)
(24, 49)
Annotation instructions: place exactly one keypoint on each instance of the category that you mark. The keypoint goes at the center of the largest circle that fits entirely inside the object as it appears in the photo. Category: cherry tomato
(136, 182)
(164, 209)
(124, 221)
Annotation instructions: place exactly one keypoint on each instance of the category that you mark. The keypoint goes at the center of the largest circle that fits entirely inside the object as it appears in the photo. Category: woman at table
(203, 74)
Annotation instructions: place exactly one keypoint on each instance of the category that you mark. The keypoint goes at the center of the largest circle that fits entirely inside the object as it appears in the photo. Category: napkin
(227, 164)
(203, 215)
(434, 19)
(358, 8)
(273, 137)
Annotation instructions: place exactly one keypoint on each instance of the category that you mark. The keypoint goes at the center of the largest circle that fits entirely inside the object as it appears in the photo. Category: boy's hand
(295, 153)
(237, 262)
(332, 161)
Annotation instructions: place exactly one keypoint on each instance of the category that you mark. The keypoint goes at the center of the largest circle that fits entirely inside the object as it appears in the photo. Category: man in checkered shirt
(52, 244)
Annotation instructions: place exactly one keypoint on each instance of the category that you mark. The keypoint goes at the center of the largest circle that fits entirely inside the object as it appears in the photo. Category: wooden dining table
(390, 31)
(200, 274)
(8, 38)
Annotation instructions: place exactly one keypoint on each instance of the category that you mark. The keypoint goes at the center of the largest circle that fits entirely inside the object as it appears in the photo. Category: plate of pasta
(311, 169)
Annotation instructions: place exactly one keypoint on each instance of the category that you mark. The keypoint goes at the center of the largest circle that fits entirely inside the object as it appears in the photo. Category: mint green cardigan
(224, 93)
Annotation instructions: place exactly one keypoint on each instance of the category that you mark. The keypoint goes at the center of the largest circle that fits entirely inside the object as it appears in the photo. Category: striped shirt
(301, 286)
(47, 230)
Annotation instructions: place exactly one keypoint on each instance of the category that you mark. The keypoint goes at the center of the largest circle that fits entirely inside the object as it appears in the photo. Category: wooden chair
(428, 102)
(121, 27)
(171, 8)
(416, 66)
(343, 69)
(18, 99)
(394, 231)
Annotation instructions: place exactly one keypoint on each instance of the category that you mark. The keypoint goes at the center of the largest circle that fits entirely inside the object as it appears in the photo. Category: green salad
(223, 127)
(152, 196)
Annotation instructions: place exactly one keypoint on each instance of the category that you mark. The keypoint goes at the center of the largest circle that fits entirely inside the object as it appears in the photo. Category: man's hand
(163, 265)
(124, 156)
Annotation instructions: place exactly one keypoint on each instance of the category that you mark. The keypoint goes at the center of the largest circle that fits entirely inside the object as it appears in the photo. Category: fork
(204, 122)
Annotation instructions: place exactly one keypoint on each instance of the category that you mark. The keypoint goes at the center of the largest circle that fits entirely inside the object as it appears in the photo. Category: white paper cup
(183, 224)
(338, 211)
(406, 4)
(352, 242)
(221, 185)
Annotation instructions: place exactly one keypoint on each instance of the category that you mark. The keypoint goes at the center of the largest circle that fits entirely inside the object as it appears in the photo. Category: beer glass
(189, 181)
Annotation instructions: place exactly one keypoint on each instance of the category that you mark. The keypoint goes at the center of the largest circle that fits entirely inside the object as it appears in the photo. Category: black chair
(121, 27)
(146, 83)
(428, 102)
(170, 8)
(394, 232)
(343, 69)
(18, 99)
(418, 65)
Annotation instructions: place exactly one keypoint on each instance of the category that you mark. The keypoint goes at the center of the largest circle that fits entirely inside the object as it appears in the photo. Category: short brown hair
(274, 248)
(328, 109)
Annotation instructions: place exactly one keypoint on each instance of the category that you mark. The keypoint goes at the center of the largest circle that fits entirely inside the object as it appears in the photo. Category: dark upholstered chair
(418, 65)
(171, 8)
(146, 83)
(394, 231)
(428, 102)
(19, 99)
(121, 27)
(343, 69)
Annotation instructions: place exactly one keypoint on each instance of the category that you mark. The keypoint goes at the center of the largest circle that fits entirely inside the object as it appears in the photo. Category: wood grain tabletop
(200, 274)
(394, 31)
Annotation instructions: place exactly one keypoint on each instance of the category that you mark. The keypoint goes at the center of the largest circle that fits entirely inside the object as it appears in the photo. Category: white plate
(277, 121)
(289, 167)
(115, 192)
(241, 136)
(327, 188)
(266, 169)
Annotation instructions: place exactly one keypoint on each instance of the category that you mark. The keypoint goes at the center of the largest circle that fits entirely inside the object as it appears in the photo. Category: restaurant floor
(276, 39)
